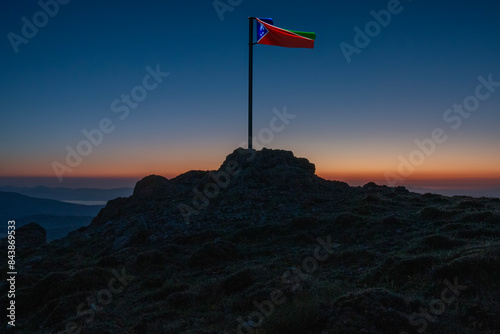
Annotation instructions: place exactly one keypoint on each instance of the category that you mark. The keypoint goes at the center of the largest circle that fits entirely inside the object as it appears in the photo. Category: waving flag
(261, 30)
(269, 34)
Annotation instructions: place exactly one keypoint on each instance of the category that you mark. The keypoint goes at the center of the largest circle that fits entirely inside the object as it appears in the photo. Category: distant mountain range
(57, 227)
(494, 192)
(13, 205)
(58, 218)
(69, 194)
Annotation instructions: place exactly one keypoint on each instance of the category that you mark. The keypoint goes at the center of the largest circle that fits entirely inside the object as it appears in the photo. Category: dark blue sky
(354, 120)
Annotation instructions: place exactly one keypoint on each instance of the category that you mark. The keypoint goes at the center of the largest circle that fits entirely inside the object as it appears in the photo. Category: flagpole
(250, 80)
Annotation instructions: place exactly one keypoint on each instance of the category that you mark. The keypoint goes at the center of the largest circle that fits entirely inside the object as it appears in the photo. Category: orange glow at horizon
(350, 176)
(347, 165)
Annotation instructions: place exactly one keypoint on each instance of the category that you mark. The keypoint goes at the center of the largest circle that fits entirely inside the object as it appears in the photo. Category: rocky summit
(263, 245)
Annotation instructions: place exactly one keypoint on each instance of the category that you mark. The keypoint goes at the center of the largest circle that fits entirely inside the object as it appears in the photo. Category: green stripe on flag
(310, 35)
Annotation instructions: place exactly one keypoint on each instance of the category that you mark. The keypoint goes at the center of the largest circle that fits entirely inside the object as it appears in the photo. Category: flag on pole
(269, 34)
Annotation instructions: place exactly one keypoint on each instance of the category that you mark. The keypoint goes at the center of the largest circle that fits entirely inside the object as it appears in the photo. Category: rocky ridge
(263, 245)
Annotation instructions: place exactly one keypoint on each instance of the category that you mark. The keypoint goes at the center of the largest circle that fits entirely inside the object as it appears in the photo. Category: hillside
(69, 194)
(13, 205)
(263, 245)
(56, 227)
(57, 218)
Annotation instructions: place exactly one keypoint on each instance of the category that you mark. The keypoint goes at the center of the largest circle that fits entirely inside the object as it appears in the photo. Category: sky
(396, 92)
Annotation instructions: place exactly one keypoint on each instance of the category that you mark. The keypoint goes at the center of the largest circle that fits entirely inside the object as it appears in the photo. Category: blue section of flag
(261, 30)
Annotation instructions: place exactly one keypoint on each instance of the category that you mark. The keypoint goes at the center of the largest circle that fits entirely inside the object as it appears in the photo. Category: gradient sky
(353, 120)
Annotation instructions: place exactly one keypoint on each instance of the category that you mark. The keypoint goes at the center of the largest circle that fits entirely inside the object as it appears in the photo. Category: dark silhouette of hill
(490, 192)
(69, 194)
(57, 218)
(263, 245)
(56, 226)
(14, 205)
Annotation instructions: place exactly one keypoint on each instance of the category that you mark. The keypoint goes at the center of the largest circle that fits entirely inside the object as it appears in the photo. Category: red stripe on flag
(281, 37)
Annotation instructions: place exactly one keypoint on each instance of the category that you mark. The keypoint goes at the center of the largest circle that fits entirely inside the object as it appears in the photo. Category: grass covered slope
(275, 249)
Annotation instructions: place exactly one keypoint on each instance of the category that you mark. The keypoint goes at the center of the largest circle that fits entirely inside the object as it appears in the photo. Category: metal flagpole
(250, 79)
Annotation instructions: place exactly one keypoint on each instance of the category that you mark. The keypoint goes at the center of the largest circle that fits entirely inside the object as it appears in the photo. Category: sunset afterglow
(110, 100)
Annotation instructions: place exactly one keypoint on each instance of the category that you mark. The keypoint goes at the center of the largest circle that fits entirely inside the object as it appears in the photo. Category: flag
(261, 30)
(269, 34)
